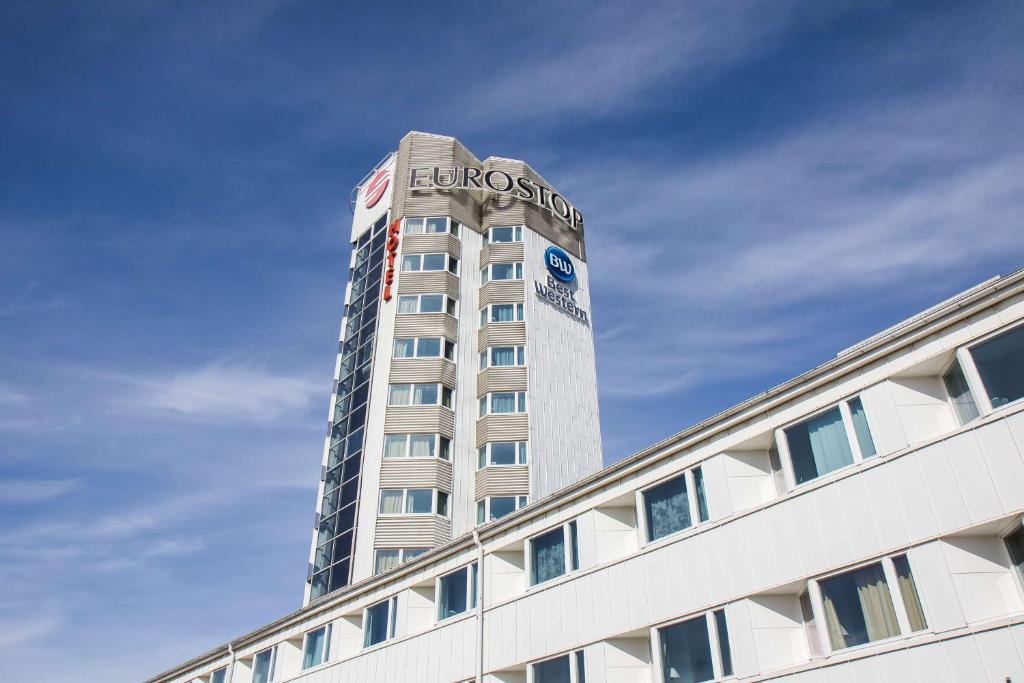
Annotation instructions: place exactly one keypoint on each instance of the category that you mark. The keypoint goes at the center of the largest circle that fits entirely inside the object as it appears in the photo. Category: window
(379, 622)
(496, 507)
(829, 441)
(503, 402)
(550, 554)
(415, 263)
(219, 676)
(424, 347)
(456, 592)
(501, 313)
(389, 558)
(426, 303)
(316, 649)
(960, 394)
(501, 271)
(1015, 545)
(1000, 364)
(503, 356)
(501, 235)
(860, 605)
(686, 652)
(412, 502)
(668, 507)
(501, 453)
(417, 446)
(263, 666)
(419, 395)
(568, 668)
(431, 226)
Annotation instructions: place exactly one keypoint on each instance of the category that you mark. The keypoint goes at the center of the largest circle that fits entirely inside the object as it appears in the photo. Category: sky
(765, 183)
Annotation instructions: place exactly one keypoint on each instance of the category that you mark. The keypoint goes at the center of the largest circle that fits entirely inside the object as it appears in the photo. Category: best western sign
(521, 187)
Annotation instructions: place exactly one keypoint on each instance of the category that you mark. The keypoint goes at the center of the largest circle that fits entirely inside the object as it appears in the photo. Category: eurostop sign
(377, 186)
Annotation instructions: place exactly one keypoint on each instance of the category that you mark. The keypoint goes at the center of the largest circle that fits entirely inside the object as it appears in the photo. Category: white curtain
(399, 394)
(425, 394)
(829, 445)
(503, 403)
(406, 304)
(422, 446)
(386, 559)
(502, 314)
(394, 446)
(876, 601)
(503, 356)
(391, 502)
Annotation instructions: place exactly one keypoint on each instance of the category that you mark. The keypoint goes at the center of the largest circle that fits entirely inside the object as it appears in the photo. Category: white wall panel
(943, 490)
(999, 655)
(1004, 462)
(936, 587)
(972, 477)
(913, 497)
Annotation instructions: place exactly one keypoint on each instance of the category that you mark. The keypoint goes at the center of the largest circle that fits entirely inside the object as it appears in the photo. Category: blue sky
(765, 183)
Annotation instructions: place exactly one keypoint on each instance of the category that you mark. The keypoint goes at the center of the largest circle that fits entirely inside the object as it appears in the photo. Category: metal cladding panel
(429, 283)
(363, 215)
(412, 531)
(418, 149)
(432, 244)
(503, 480)
(416, 473)
(419, 420)
(500, 379)
(501, 334)
(502, 428)
(503, 252)
(502, 292)
(427, 325)
(424, 370)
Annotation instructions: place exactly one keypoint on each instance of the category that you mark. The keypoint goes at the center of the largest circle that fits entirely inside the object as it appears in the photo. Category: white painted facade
(936, 502)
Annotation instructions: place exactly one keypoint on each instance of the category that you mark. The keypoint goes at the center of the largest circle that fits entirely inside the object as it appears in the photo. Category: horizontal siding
(502, 292)
(502, 428)
(509, 252)
(416, 150)
(503, 480)
(500, 379)
(502, 334)
(422, 370)
(432, 244)
(419, 419)
(429, 325)
(412, 531)
(429, 283)
(416, 473)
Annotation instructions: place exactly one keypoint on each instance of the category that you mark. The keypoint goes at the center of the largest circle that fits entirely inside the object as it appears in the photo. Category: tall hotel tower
(465, 383)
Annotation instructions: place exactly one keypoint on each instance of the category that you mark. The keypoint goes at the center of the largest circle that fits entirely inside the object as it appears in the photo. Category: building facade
(861, 522)
(465, 384)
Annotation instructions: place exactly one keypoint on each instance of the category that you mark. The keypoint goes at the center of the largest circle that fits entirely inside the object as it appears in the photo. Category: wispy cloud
(35, 490)
(30, 299)
(34, 623)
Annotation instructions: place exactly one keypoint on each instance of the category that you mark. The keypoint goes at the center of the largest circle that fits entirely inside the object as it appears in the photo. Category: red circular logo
(376, 187)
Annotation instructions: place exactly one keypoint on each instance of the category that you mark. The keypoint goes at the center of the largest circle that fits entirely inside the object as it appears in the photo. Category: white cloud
(35, 490)
(36, 623)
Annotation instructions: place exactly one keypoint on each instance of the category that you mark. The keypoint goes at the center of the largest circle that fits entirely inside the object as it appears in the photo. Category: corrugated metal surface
(429, 283)
(502, 428)
(416, 473)
(412, 531)
(501, 334)
(422, 370)
(503, 480)
(419, 420)
(502, 253)
(432, 244)
(430, 325)
(501, 292)
(500, 379)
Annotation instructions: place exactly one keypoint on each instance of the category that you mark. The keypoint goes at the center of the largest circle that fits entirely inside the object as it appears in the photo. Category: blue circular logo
(559, 264)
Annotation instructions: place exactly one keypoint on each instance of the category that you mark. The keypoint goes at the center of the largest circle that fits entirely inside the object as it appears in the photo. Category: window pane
(552, 671)
(503, 403)
(410, 553)
(433, 261)
(399, 394)
(1000, 363)
(503, 356)
(406, 304)
(963, 400)
(702, 502)
(860, 427)
(376, 624)
(1015, 544)
(262, 667)
(858, 607)
(908, 591)
(667, 507)
(574, 546)
(547, 556)
(501, 234)
(581, 667)
(404, 348)
(425, 394)
(411, 262)
(421, 446)
(418, 501)
(723, 642)
(436, 225)
(413, 226)
(501, 506)
(385, 559)
(481, 457)
(391, 502)
(314, 651)
(219, 675)
(522, 452)
(480, 512)
(442, 503)
(394, 446)
(429, 347)
(818, 446)
(501, 313)
(431, 303)
(453, 589)
(503, 453)
(501, 271)
(686, 652)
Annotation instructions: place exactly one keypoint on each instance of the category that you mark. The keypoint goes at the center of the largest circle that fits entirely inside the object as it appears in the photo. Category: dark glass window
(1000, 362)
(667, 507)
(686, 651)
(552, 671)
